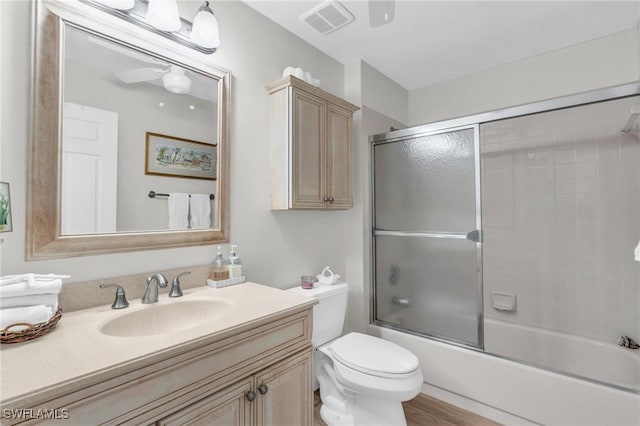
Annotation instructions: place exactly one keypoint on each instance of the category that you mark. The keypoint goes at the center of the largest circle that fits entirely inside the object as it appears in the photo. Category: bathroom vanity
(248, 363)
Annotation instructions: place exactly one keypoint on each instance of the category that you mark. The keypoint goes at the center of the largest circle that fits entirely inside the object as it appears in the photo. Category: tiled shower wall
(561, 215)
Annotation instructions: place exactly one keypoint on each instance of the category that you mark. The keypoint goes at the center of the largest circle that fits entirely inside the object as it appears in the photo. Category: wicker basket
(32, 332)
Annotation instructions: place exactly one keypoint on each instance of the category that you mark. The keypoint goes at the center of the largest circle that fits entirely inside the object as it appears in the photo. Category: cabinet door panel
(228, 407)
(289, 398)
(307, 151)
(339, 159)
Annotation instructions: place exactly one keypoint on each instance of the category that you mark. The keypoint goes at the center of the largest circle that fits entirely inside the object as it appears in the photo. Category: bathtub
(515, 393)
(593, 359)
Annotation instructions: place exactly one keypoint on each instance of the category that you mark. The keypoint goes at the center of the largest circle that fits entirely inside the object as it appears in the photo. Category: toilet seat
(373, 356)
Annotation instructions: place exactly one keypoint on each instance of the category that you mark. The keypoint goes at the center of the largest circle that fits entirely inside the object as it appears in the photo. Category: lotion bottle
(235, 265)
(218, 270)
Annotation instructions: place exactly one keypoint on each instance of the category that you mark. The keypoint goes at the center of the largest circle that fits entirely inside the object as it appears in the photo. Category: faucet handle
(175, 285)
(121, 300)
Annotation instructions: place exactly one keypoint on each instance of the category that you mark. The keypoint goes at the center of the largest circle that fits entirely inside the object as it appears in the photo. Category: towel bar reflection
(154, 194)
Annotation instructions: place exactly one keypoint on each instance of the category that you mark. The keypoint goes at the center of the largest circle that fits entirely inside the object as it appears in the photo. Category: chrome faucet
(151, 294)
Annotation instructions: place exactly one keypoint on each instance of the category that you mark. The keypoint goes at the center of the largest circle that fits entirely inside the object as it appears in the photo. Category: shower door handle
(475, 236)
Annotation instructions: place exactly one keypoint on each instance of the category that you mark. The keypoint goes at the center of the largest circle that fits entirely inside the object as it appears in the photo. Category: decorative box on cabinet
(311, 155)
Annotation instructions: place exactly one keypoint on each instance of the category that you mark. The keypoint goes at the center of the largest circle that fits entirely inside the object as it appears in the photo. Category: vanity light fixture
(164, 15)
(205, 28)
(161, 17)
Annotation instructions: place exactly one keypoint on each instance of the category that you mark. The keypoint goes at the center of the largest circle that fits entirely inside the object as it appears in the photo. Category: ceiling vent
(327, 17)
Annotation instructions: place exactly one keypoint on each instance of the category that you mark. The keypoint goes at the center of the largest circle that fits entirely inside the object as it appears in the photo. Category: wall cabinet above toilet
(311, 153)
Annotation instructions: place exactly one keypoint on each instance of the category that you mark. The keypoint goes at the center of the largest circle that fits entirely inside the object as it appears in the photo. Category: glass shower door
(426, 236)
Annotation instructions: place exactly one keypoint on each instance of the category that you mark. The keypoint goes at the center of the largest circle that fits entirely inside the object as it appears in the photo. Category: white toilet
(363, 379)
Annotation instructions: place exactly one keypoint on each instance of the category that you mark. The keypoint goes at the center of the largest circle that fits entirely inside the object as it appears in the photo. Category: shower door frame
(474, 235)
(568, 101)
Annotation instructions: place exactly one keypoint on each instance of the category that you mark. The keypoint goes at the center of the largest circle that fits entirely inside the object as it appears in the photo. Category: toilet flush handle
(263, 389)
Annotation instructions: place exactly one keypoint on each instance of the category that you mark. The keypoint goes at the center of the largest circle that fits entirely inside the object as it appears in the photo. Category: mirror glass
(135, 124)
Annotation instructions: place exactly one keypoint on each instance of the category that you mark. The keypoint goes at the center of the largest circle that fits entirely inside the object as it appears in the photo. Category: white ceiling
(433, 41)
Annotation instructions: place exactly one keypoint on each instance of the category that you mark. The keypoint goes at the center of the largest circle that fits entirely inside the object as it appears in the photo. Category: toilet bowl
(362, 379)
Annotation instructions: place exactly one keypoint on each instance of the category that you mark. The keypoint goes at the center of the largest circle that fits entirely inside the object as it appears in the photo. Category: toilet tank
(328, 314)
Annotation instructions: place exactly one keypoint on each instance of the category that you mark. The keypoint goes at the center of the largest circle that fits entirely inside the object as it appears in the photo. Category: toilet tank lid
(373, 355)
(320, 292)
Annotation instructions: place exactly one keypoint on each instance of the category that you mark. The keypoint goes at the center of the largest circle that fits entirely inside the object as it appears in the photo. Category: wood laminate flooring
(424, 410)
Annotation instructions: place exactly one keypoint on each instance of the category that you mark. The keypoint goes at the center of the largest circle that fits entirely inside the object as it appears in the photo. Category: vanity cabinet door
(228, 407)
(285, 394)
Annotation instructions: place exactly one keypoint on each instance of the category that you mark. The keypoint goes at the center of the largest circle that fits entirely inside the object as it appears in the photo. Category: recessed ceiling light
(191, 107)
(161, 104)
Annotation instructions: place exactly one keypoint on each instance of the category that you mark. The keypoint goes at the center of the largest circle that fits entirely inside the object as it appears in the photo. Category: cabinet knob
(325, 199)
(251, 395)
(263, 389)
(331, 199)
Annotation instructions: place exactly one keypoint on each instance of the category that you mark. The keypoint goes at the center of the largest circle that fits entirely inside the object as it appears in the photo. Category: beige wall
(276, 247)
(384, 95)
(604, 62)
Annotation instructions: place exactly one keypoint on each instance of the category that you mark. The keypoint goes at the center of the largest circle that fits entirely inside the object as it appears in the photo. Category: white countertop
(76, 348)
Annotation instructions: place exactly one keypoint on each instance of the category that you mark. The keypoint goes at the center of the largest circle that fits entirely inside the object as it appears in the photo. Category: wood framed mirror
(119, 120)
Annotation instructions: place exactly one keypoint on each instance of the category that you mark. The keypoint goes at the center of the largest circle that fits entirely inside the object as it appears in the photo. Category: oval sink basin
(167, 318)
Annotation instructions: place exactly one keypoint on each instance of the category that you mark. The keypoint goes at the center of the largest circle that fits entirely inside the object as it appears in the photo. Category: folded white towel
(29, 279)
(30, 314)
(200, 211)
(24, 289)
(31, 300)
(178, 210)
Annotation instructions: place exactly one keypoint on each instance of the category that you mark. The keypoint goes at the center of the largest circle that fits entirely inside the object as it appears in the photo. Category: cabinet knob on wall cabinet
(325, 199)
(263, 389)
(251, 395)
(331, 199)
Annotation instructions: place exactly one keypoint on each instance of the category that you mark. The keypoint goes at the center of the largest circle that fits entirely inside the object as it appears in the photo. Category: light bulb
(204, 31)
(164, 15)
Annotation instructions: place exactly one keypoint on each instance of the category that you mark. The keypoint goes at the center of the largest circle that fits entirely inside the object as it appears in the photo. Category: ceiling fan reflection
(174, 78)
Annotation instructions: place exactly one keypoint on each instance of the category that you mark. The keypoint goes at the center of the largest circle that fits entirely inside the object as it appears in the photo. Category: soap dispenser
(218, 270)
(235, 265)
